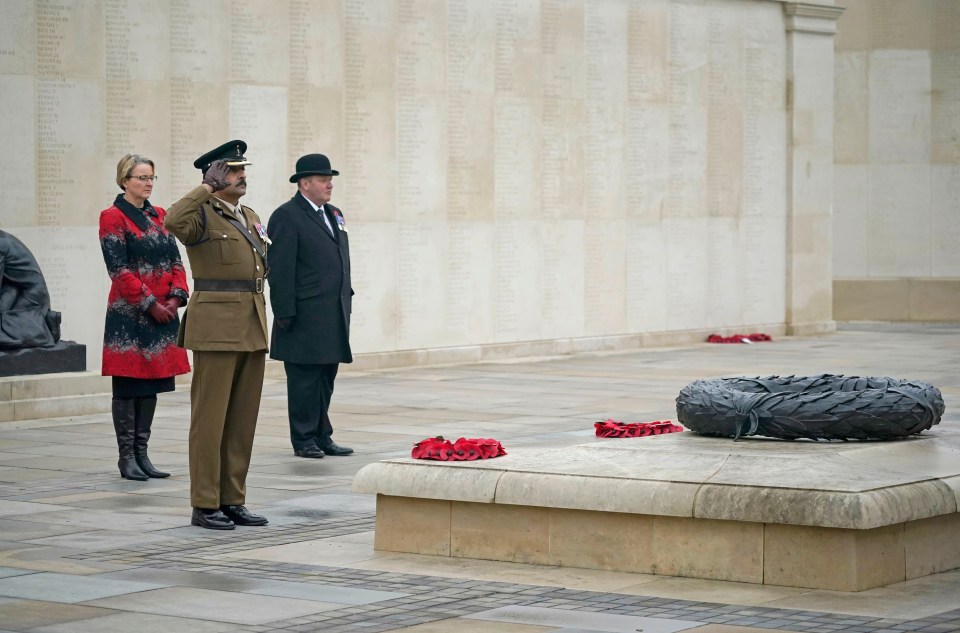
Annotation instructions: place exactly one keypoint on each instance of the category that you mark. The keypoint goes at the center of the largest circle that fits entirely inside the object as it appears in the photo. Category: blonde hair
(127, 164)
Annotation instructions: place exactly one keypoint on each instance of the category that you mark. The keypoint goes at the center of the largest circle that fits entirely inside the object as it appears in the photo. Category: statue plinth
(63, 356)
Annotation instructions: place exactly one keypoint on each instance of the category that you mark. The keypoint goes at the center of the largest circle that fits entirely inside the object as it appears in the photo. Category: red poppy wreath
(614, 428)
(464, 449)
(757, 337)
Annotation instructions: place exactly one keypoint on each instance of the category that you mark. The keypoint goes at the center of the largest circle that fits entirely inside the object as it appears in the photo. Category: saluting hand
(216, 176)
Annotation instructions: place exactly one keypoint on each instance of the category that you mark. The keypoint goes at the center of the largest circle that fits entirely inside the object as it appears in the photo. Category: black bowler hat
(231, 151)
(313, 165)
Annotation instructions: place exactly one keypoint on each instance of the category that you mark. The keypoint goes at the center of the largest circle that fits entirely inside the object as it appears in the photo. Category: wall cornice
(810, 17)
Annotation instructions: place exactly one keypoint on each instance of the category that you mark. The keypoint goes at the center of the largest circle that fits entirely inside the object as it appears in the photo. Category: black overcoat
(310, 284)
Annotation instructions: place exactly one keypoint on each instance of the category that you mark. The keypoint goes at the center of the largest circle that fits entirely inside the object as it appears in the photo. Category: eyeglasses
(144, 178)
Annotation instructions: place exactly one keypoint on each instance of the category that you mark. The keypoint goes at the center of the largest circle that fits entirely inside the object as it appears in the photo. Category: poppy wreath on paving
(464, 449)
(739, 338)
(824, 407)
(615, 428)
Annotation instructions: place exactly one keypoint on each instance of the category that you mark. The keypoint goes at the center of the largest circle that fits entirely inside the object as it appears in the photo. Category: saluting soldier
(226, 327)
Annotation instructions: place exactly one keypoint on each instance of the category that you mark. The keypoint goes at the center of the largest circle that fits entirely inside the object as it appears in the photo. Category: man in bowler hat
(311, 294)
(226, 327)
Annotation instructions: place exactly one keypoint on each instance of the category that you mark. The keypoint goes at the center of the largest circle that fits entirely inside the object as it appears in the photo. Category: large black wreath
(825, 407)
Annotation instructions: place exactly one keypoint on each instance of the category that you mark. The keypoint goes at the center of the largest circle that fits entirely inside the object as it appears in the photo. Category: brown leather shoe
(211, 519)
(241, 516)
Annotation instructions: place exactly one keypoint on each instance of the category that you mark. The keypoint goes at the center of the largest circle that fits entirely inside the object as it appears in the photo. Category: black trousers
(309, 389)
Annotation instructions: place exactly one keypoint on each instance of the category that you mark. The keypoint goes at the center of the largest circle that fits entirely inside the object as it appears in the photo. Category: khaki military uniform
(227, 330)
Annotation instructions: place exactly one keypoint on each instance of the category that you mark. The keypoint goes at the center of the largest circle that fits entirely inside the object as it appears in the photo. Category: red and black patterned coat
(144, 266)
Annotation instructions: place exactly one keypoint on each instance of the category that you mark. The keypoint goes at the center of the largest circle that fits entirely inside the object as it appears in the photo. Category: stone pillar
(809, 293)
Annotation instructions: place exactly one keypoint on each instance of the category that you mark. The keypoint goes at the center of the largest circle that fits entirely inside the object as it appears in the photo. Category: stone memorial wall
(513, 171)
(897, 150)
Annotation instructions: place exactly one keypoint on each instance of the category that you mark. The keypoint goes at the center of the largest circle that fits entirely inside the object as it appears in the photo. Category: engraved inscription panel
(647, 142)
(904, 218)
(258, 116)
(900, 106)
(19, 37)
(565, 269)
(255, 29)
(945, 106)
(646, 262)
(374, 273)
(725, 104)
(562, 155)
(562, 45)
(648, 51)
(421, 259)
(421, 173)
(764, 268)
(517, 248)
(470, 144)
(725, 290)
(199, 47)
(421, 46)
(900, 25)
(18, 173)
(369, 184)
(517, 158)
(471, 46)
(197, 124)
(316, 43)
(470, 282)
(517, 65)
(70, 40)
(686, 271)
(63, 146)
(314, 124)
(946, 229)
(604, 296)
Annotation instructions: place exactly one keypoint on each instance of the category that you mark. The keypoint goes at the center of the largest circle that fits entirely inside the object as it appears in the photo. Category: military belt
(230, 285)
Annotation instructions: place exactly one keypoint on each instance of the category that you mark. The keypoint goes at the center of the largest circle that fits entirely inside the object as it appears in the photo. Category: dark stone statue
(26, 319)
(29, 329)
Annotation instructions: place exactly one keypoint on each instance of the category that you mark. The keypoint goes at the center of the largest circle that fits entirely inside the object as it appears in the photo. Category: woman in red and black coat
(148, 285)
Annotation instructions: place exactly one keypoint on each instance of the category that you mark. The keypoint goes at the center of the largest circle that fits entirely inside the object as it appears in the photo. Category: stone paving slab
(309, 502)
(66, 588)
(560, 618)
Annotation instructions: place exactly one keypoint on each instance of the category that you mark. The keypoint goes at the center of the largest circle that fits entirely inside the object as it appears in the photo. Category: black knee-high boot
(124, 421)
(145, 409)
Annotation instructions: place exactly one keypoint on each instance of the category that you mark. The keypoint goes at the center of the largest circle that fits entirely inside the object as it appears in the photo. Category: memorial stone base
(844, 516)
(61, 357)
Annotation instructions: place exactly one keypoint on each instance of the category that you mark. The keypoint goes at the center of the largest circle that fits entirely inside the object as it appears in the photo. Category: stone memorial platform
(841, 516)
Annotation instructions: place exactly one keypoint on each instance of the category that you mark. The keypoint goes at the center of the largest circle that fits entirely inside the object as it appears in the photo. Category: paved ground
(83, 550)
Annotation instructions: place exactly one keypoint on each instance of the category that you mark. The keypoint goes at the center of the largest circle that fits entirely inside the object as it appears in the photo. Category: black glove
(284, 324)
(216, 175)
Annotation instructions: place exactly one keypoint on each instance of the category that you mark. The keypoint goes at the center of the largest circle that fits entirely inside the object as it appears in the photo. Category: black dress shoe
(241, 516)
(211, 519)
(331, 448)
(308, 451)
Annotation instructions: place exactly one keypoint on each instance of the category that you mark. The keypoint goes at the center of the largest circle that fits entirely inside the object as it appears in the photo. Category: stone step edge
(54, 407)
